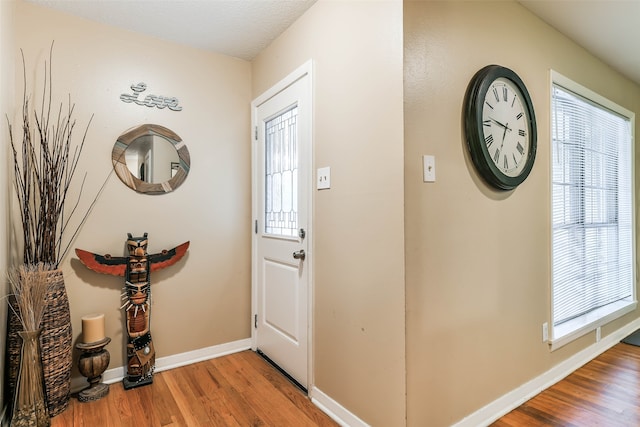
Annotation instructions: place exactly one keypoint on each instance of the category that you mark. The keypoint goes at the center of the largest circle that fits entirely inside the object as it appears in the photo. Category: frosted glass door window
(281, 174)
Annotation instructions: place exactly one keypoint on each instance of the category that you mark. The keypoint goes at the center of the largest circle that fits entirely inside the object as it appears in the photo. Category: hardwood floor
(243, 390)
(236, 390)
(604, 392)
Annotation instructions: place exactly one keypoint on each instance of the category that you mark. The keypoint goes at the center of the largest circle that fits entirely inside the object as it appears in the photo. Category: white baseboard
(170, 362)
(334, 410)
(518, 396)
(482, 417)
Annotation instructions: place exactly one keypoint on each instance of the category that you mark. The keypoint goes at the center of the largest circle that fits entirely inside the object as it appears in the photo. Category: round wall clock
(500, 127)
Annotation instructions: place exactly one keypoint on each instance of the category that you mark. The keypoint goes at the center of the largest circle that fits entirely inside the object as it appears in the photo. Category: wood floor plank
(209, 396)
(230, 398)
(604, 392)
(236, 390)
(188, 403)
(277, 410)
(283, 385)
(119, 401)
(165, 403)
(243, 390)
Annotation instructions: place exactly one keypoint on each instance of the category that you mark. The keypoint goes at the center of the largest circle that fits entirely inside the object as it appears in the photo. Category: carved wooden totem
(137, 269)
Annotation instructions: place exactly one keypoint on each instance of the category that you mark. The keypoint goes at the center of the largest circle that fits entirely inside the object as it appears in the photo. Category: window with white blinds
(592, 211)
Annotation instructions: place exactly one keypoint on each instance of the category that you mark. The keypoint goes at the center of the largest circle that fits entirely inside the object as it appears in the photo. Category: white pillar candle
(93, 327)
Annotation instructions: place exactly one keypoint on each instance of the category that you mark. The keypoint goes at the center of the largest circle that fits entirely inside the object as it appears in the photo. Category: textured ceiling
(239, 28)
(609, 29)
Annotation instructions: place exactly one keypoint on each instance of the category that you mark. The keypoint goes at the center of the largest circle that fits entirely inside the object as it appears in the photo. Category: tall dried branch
(44, 168)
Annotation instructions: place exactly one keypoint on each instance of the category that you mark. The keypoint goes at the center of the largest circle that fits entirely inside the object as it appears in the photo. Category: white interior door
(281, 206)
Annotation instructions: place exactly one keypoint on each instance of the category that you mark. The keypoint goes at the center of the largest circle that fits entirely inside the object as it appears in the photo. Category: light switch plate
(429, 171)
(324, 178)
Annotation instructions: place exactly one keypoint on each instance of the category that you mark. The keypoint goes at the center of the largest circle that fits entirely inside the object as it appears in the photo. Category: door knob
(299, 254)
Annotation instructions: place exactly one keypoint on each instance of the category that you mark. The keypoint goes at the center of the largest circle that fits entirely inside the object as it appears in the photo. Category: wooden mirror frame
(135, 183)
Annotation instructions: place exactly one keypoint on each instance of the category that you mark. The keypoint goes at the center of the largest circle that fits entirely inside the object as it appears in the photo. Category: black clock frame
(474, 100)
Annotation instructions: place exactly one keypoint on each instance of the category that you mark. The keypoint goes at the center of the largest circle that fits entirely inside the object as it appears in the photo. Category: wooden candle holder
(94, 360)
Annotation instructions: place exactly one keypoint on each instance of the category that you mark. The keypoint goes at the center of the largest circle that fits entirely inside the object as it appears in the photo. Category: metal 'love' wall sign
(150, 100)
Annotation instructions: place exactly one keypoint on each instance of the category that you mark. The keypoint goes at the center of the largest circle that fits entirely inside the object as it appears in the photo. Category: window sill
(575, 328)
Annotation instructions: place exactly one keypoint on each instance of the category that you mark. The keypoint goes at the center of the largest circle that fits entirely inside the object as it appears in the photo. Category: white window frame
(571, 330)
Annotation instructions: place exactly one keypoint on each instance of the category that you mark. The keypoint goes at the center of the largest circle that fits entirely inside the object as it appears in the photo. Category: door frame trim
(305, 70)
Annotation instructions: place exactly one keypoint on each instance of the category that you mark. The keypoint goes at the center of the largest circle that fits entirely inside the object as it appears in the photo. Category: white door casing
(281, 249)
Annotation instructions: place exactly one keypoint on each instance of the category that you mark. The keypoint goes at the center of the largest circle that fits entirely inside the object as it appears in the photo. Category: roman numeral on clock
(488, 140)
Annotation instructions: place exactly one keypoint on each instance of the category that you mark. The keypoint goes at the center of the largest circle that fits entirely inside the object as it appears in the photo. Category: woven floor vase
(56, 346)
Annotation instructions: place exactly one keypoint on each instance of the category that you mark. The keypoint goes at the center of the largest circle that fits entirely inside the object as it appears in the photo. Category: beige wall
(472, 332)
(358, 223)
(477, 260)
(205, 299)
(6, 106)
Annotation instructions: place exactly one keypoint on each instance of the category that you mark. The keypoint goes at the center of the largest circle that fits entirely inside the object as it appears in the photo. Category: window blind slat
(592, 251)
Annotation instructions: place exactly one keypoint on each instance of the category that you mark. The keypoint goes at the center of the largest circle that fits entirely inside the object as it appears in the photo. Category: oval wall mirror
(151, 159)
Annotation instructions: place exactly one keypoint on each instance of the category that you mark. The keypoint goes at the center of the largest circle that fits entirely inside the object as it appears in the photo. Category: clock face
(500, 127)
(505, 126)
